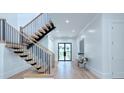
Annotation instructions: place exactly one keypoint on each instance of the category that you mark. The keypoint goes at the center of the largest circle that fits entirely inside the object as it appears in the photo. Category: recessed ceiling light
(91, 31)
(67, 21)
(73, 31)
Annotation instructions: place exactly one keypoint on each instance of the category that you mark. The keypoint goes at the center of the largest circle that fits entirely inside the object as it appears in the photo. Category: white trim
(118, 75)
(99, 74)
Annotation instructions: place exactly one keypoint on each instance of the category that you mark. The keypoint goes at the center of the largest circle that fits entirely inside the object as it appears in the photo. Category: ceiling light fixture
(67, 21)
(91, 31)
(73, 31)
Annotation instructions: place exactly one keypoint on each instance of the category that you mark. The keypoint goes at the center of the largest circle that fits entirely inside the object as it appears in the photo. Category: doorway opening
(64, 51)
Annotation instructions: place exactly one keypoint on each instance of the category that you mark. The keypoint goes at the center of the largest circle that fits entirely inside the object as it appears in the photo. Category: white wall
(24, 18)
(10, 63)
(66, 40)
(11, 18)
(18, 19)
(44, 41)
(51, 43)
(97, 40)
(93, 45)
(93, 41)
(1, 60)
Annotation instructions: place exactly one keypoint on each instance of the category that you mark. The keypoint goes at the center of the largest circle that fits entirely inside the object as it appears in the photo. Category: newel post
(2, 29)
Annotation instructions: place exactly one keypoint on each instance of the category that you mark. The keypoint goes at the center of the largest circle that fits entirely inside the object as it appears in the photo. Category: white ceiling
(77, 21)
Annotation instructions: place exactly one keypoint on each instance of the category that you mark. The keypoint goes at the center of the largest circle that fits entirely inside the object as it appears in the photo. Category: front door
(64, 51)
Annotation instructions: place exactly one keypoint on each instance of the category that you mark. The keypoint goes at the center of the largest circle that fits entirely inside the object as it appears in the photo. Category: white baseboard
(99, 74)
(15, 71)
(118, 75)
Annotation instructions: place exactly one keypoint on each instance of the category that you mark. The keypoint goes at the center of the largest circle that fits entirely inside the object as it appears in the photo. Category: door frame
(64, 50)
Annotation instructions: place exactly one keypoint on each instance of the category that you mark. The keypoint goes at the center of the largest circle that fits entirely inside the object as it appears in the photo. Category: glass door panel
(61, 51)
(68, 51)
(64, 51)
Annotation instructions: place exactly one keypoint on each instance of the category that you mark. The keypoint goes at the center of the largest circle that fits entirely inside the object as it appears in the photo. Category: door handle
(64, 53)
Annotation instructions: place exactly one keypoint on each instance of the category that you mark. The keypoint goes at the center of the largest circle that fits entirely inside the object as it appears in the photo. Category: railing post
(21, 37)
(2, 29)
(50, 63)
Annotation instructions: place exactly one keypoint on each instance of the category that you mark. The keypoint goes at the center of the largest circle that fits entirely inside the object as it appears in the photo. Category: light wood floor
(65, 70)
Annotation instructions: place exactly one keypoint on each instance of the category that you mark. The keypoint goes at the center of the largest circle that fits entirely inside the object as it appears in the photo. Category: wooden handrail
(32, 20)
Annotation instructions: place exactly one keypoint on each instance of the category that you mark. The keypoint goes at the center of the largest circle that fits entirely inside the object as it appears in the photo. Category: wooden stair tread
(14, 45)
(42, 31)
(28, 42)
(23, 54)
(49, 25)
(41, 70)
(20, 49)
(28, 58)
(31, 62)
(38, 33)
(46, 28)
(31, 38)
(37, 66)
(35, 36)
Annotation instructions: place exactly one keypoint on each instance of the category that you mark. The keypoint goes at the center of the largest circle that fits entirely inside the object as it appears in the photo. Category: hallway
(69, 70)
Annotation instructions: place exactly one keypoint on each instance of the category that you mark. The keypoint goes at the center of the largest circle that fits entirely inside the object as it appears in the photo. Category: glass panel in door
(68, 51)
(64, 51)
(61, 51)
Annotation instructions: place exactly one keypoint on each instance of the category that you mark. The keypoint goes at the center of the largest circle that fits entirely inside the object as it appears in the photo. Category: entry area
(64, 51)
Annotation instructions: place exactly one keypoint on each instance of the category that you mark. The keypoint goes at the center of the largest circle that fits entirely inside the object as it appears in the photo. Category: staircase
(25, 43)
(38, 35)
(38, 29)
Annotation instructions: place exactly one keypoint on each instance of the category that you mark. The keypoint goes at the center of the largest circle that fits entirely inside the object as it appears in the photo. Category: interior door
(64, 51)
(118, 50)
